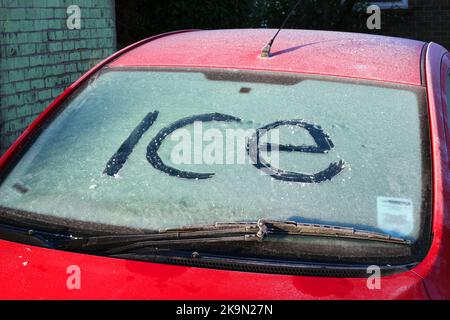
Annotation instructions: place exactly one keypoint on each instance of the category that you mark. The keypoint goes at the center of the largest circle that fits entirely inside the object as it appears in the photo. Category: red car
(188, 166)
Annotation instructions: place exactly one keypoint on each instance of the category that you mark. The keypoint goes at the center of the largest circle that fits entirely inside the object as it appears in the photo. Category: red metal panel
(302, 51)
(37, 273)
(435, 269)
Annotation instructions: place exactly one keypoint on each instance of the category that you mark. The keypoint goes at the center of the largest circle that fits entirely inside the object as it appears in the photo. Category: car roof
(330, 53)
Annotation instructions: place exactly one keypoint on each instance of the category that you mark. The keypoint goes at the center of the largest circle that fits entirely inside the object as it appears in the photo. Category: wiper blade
(222, 233)
(309, 229)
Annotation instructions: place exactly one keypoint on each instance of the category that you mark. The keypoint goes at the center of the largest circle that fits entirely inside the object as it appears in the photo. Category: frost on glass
(375, 130)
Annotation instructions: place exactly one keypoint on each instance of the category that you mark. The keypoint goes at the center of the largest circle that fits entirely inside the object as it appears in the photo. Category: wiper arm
(219, 232)
(33, 236)
(222, 233)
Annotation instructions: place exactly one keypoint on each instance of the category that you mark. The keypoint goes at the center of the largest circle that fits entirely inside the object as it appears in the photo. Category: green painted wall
(40, 56)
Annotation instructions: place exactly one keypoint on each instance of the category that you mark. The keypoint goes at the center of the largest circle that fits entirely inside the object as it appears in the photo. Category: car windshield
(160, 148)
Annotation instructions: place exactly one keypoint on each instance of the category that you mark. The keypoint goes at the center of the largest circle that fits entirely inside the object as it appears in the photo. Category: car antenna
(266, 50)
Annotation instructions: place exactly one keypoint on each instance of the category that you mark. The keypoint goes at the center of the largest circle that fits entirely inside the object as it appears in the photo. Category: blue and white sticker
(395, 215)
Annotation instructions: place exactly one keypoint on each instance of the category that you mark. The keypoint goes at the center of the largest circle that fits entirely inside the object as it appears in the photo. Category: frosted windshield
(368, 137)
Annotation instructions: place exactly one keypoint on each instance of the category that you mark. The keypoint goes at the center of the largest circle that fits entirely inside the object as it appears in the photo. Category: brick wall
(426, 20)
(40, 56)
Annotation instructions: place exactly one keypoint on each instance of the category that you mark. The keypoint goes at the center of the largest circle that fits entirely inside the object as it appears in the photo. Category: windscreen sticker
(395, 215)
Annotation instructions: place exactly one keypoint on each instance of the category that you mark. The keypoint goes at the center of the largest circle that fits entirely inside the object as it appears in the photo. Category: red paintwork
(435, 269)
(312, 52)
(36, 273)
(45, 277)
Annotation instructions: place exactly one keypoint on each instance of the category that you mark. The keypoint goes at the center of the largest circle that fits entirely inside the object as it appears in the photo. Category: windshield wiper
(47, 239)
(221, 233)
